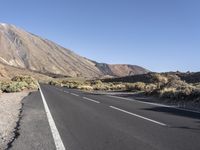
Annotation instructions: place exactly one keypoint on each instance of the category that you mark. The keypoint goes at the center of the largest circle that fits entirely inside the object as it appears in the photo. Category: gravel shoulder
(10, 106)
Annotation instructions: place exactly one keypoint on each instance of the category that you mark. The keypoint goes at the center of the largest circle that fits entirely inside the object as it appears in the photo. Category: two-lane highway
(61, 118)
(98, 122)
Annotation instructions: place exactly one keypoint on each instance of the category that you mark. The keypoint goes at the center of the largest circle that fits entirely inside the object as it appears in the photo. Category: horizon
(158, 43)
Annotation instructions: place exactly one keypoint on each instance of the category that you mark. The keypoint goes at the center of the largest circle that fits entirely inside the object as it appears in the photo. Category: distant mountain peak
(3, 24)
(6, 25)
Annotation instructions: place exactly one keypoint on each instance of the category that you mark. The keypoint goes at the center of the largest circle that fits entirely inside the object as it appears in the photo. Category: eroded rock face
(25, 50)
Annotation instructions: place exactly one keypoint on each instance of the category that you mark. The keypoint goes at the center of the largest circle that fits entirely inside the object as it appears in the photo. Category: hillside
(22, 49)
(7, 72)
(193, 77)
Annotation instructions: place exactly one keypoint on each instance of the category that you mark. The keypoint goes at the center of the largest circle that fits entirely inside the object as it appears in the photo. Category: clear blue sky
(161, 35)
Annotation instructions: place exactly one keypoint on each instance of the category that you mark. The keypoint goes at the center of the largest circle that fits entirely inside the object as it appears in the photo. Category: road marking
(133, 100)
(155, 104)
(74, 94)
(56, 136)
(130, 113)
(66, 91)
(91, 100)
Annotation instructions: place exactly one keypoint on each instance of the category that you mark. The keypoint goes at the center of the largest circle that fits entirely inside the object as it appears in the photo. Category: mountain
(22, 49)
(120, 70)
(7, 72)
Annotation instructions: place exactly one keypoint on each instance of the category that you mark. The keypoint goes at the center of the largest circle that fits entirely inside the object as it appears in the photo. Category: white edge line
(91, 100)
(56, 136)
(130, 113)
(155, 104)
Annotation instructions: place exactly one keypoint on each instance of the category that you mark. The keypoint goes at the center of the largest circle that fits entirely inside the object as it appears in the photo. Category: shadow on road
(181, 113)
(176, 112)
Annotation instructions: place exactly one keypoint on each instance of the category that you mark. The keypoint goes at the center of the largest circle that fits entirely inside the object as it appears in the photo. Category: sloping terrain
(120, 69)
(7, 72)
(3, 72)
(148, 78)
(25, 50)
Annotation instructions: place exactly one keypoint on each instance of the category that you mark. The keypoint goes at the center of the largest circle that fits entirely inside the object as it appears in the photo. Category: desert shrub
(163, 85)
(27, 79)
(71, 84)
(135, 86)
(32, 86)
(161, 80)
(177, 84)
(31, 83)
(118, 86)
(178, 90)
(85, 87)
(55, 83)
(102, 87)
(167, 92)
(197, 85)
(158, 78)
(95, 82)
(19, 83)
(15, 87)
(67, 83)
(4, 85)
(196, 95)
(150, 88)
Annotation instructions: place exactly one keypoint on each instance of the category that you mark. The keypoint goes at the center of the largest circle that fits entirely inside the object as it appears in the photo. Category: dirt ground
(10, 105)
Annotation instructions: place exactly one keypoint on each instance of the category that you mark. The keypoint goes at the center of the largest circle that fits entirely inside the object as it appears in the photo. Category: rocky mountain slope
(22, 49)
(7, 72)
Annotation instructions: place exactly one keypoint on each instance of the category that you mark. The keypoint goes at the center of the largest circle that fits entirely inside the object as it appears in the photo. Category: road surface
(87, 121)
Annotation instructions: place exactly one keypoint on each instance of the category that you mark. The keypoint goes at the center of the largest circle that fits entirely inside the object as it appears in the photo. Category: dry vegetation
(88, 85)
(18, 84)
(171, 86)
(165, 85)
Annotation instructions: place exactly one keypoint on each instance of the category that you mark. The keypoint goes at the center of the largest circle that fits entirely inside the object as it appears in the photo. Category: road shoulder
(10, 110)
(34, 130)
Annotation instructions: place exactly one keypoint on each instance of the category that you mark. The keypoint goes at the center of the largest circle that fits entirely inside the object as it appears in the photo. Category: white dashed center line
(130, 113)
(74, 94)
(91, 100)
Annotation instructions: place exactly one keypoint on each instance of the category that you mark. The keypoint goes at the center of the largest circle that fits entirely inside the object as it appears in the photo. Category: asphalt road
(98, 122)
